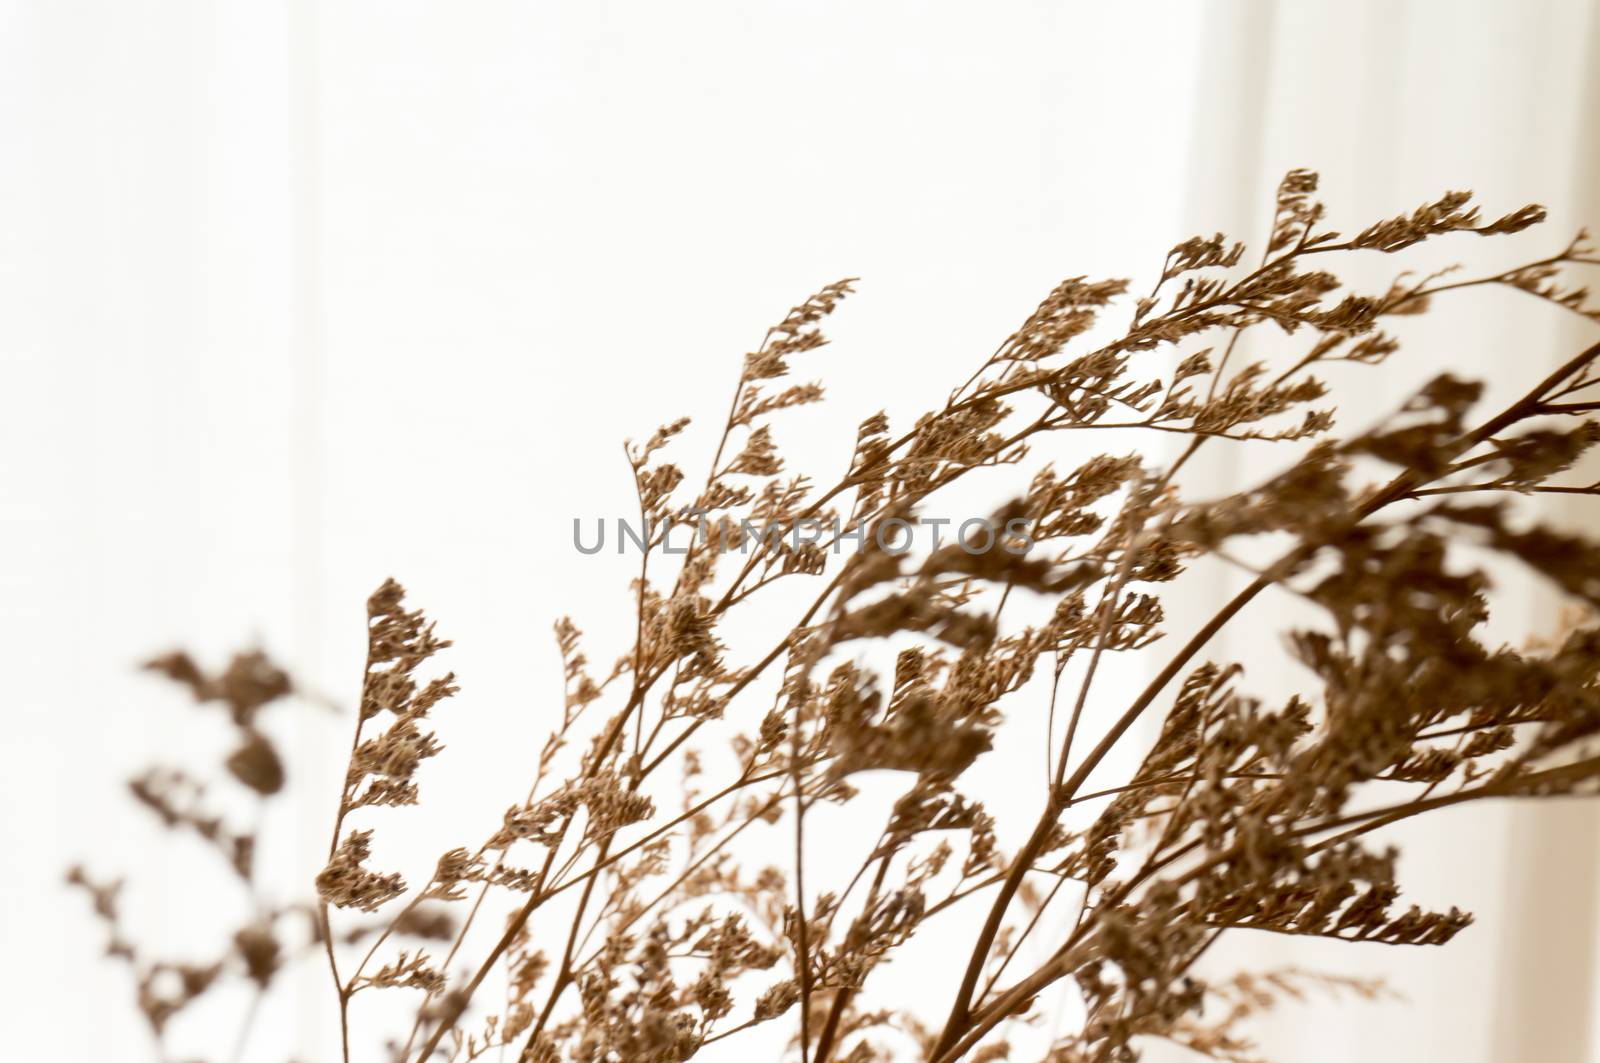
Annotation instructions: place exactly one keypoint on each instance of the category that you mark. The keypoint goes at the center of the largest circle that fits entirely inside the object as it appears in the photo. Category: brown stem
(802, 944)
(841, 999)
(536, 898)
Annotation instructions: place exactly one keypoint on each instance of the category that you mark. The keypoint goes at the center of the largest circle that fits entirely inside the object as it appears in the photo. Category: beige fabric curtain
(1394, 103)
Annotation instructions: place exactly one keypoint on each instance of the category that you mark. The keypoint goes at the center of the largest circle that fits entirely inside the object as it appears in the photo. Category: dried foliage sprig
(254, 952)
(660, 938)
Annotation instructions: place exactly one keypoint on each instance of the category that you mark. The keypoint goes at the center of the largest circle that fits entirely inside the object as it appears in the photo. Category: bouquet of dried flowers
(658, 890)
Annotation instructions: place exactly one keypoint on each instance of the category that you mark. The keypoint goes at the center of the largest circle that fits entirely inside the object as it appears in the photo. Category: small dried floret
(406, 971)
(259, 949)
(344, 883)
(777, 1000)
(257, 764)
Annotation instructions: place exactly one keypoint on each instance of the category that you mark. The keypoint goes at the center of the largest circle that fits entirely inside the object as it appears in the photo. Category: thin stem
(802, 943)
(1045, 827)
(842, 997)
(346, 796)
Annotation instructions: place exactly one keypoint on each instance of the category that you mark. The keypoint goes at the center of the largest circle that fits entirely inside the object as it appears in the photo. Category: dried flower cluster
(633, 907)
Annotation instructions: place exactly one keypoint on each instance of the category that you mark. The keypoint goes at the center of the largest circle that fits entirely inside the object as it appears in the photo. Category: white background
(293, 298)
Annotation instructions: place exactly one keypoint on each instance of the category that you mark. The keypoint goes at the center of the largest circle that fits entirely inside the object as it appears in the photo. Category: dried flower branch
(657, 937)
